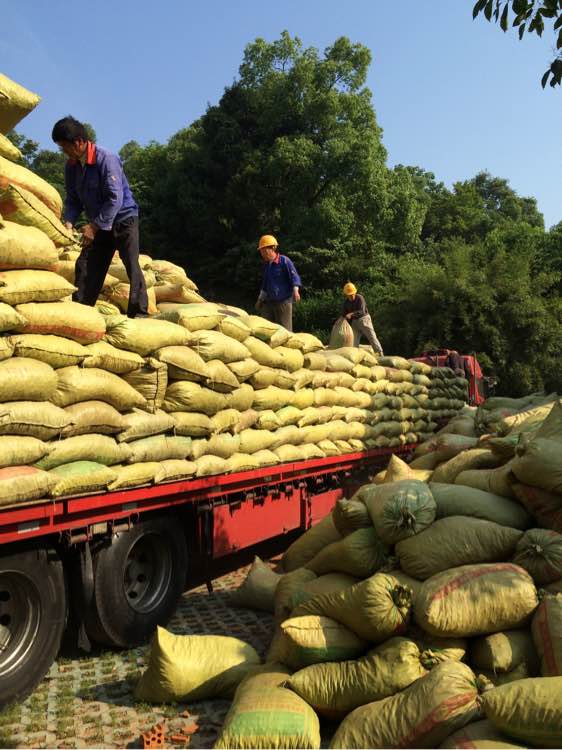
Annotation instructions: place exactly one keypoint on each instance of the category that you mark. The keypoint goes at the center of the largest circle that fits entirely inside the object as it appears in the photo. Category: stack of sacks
(198, 389)
(412, 598)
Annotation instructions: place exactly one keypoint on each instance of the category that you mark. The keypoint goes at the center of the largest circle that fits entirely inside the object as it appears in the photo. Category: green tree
(529, 16)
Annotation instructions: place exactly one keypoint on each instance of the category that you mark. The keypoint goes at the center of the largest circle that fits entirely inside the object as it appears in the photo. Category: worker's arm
(111, 179)
(362, 309)
(295, 279)
(72, 204)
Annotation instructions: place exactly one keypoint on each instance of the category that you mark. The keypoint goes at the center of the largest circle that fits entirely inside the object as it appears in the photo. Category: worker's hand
(349, 316)
(69, 225)
(296, 294)
(88, 233)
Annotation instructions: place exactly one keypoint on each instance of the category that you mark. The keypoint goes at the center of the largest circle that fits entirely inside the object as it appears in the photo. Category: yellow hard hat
(349, 288)
(268, 240)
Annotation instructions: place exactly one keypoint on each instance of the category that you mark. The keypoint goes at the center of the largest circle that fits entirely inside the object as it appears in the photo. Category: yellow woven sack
(539, 551)
(252, 441)
(219, 377)
(9, 318)
(467, 460)
(335, 689)
(176, 293)
(265, 458)
(183, 395)
(529, 710)
(313, 361)
(8, 150)
(359, 554)
(225, 446)
(263, 353)
(55, 351)
(262, 328)
(99, 448)
(19, 484)
(456, 500)
(68, 319)
(174, 469)
(15, 103)
(375, 609)
(257, 591)
(288, 586)
(194, 667)
(423, 715)
(169, 273)
(183, 363)
(158, 448)
(23, 207)
(241, 462)
(265, 715)
(241, 398)
(77, 384)
(292, 359)
(145, 335)
(133, 475)
(310, 543)
(272, 398)
(17, 450)
(303, 590)
(119, 295)
(107, 357)
(23, 378)
(39, 419)
(210, 465)
(547, 635)
(288, 453)
(234, 327)
(139, 424)
(503, 652)
(306, 342)
(25, 247)
(538, 463)
(92, 416)
(192, 424)
(215, 345)
(225, 420)
(6, 348)
(454, 541)
(244, 369)
(198, 316)
(151, 381)
(506, 594)
(80, 477)
(301, 641)
(15, 174)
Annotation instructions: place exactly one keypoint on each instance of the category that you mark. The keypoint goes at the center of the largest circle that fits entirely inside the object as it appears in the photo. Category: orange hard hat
(267, 240)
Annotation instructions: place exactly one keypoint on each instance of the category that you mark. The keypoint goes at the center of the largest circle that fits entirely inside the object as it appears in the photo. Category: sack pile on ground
(425, 613)
(91, 400)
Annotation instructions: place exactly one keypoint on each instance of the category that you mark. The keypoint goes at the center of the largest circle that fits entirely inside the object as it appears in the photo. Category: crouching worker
(355, 311)
(96, 184)
(280, 285)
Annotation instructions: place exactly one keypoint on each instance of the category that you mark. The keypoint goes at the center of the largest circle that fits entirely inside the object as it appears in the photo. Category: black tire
(33, 610)
(138, 579)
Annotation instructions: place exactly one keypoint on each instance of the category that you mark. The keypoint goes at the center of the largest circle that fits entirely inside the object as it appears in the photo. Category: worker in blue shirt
(280, 285)
(96, 184)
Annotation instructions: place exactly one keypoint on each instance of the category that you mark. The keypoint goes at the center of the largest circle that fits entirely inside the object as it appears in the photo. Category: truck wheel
(138, 579)
(33, 608)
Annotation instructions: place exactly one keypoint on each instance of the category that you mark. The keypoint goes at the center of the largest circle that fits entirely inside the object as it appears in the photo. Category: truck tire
(33, 609)
(138, 579)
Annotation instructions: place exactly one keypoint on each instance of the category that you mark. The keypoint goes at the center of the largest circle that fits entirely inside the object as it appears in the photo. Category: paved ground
(87, 701)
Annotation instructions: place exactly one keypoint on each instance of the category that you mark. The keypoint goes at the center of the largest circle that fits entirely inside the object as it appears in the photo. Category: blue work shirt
(279, 278)
(99, 187)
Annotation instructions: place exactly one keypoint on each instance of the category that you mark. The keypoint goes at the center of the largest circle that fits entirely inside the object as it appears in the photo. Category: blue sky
(452, 95)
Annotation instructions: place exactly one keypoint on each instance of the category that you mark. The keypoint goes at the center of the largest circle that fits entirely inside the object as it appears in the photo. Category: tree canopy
(528, 17)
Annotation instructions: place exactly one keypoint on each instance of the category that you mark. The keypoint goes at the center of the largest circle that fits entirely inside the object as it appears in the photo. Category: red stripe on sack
(473, 575)
(8, 207)
(549, 657)
(432, 721)
(92, 336)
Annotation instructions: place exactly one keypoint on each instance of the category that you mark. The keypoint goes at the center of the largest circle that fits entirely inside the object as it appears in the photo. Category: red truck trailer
(119, 561)
(478, 384)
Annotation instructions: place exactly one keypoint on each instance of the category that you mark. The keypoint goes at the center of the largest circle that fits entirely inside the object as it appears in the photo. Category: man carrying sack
(280, 285)
(355, 312)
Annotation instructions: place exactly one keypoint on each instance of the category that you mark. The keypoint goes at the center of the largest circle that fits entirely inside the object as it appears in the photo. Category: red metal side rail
(63, 515)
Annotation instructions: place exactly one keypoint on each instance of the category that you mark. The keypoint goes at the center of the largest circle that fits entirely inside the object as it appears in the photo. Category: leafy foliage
(529, 16)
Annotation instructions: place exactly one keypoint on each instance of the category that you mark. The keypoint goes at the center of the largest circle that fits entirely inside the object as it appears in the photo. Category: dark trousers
(279, 312)
(93, 263)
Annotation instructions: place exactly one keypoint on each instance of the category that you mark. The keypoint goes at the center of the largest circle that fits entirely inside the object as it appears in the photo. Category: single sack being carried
(80, 477)
(457, 500)
(423, 715)
(505, 593)
(258, 588)
(25, 378)
(547, 635)
(529, 710)
(454, 541)
(401, 509)
(19, 484)
(335, 689)
(360, 554)
(265, 715)
(24, 247)
(194, 667)
(68, 319)
(539, 551)
(341, 334)
(310, 543)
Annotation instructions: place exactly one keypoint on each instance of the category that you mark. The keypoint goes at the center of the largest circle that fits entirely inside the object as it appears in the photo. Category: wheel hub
(20, 616)
(147, 573)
